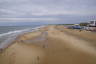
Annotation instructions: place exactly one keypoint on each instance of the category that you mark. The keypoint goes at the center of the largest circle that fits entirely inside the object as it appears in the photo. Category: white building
(92, 23)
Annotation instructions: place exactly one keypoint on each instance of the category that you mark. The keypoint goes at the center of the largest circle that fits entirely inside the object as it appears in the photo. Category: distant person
(38, 60)
(80, 30)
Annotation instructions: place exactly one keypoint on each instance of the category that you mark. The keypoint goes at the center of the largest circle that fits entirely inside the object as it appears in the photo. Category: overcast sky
(55, 11)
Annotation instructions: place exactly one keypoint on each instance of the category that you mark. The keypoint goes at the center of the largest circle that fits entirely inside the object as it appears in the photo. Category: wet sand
(55, 47)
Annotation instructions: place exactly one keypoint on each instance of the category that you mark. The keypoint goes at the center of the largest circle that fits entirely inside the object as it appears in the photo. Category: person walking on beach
(38, 60)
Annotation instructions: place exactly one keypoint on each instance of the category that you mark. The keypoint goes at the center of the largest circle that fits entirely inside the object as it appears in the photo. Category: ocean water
(9, 33)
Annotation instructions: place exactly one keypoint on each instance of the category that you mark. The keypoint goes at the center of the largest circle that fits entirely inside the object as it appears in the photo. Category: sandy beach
(52, 45)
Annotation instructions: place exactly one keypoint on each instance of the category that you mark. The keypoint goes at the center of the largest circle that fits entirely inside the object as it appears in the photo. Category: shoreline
(57, 48)
(11, 41)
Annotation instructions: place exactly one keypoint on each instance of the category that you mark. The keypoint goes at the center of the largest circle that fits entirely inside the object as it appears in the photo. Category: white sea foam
(11, 36)
(11, 32)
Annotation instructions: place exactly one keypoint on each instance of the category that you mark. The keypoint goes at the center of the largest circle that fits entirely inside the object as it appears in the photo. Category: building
(92, 23)
(91, 26)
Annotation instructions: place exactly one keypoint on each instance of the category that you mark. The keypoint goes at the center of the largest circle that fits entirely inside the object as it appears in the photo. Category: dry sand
(55, 47)
(85, 35)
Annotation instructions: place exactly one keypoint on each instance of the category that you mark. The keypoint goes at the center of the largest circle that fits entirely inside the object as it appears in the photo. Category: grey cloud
(47, 8)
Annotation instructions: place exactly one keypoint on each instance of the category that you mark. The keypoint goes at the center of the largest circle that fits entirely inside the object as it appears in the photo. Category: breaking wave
(7, 38)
